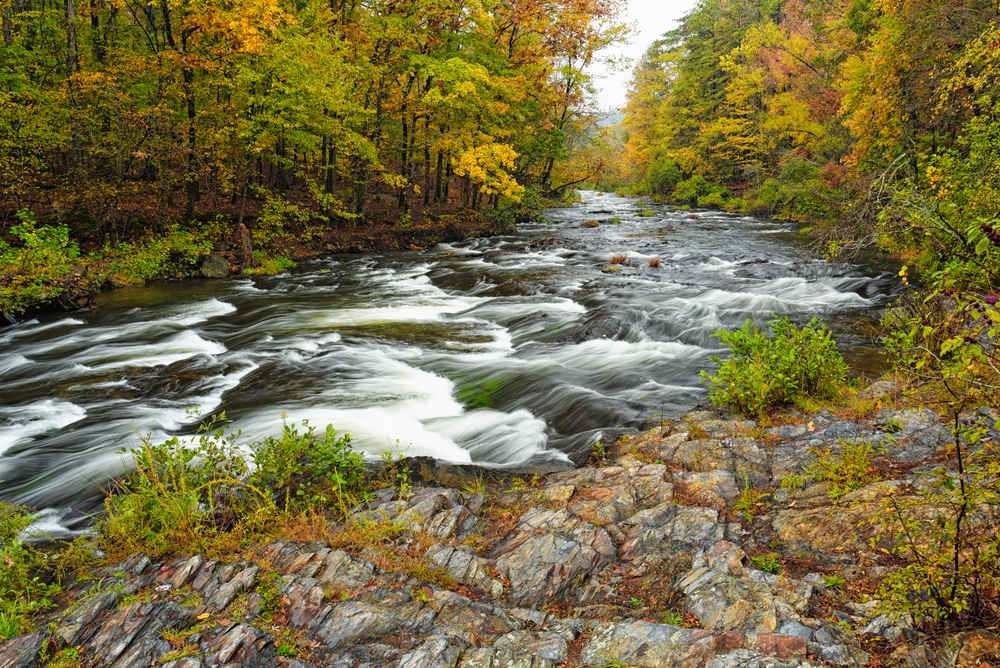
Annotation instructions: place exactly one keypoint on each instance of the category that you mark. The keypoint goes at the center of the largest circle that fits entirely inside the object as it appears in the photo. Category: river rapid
(510, 351)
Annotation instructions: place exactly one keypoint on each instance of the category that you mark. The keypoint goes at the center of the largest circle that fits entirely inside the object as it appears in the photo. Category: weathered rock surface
(575, 568)
(213, 266)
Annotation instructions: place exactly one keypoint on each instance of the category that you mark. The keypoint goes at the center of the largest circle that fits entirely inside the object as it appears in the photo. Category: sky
(651, 18)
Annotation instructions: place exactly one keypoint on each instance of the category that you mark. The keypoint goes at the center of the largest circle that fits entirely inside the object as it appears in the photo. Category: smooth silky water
(510, 351)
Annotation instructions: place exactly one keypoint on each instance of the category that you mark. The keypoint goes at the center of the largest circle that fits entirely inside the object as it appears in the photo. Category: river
(510, 351)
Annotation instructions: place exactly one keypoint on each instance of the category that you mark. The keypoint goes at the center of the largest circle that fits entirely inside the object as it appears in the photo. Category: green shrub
(850, 467)
(176, 252)
(32, 271)
(211, 494)
(945, 532)
(767, 562)
(270, 264)
(22, 593)
(662, 176)
(764, 372)
(712, 199)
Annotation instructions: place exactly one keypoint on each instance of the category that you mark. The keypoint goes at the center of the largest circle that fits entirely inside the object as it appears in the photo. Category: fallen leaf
(204, 615)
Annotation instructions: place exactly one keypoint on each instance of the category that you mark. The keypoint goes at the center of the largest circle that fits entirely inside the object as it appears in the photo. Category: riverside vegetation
(150, 135)
(857, 531)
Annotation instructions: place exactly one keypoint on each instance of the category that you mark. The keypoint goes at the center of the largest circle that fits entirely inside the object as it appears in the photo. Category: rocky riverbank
(653, 555)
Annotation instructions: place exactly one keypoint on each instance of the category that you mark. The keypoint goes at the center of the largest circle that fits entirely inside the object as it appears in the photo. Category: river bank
(220, 254)
(709, 542)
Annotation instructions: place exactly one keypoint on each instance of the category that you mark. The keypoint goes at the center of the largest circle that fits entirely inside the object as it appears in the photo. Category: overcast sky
(652, 18)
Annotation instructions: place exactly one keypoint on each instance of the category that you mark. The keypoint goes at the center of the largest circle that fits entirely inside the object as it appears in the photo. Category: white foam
(10, 361)
(182, 346)
(19, 424)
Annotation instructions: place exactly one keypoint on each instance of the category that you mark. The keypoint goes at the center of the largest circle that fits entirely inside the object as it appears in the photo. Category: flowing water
(510, 351)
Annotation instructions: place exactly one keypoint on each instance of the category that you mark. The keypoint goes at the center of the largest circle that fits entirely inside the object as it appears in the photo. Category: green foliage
(36, 267)
(529, 208)
(270, 264)
(767, 562)
(158, 257)
(946, 532)
(793, 481)
(765, 372)
(848, 467)
(945, 529)
(210, 493)
(22, 592)
(663, 175)
(308, 470)
(798, 191)
(939, 331)
(750, 502)
(673, 618)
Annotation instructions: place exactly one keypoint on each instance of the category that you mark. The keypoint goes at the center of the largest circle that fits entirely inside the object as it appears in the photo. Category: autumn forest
(874, 121)
(142, 135)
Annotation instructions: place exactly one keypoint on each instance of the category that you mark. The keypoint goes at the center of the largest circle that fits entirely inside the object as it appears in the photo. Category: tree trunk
(72, 60)
(8, 27)
(437, 177)
(72, 66)
(249, 261)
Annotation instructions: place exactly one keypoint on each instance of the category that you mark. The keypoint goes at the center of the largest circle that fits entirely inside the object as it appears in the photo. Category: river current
(510, 351)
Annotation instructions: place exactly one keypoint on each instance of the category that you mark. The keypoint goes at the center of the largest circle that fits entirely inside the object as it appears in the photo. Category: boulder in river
(590, 223)
(213, 266)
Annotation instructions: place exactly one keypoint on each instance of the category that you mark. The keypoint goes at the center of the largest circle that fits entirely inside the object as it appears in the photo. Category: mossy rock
(590, 223)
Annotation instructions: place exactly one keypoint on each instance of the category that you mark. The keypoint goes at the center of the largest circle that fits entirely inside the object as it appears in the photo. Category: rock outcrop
(643, 562)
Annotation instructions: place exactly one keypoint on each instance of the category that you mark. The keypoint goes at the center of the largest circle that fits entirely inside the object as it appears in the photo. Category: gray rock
(465, 568)
(219, 594)
(744, 658)
(792, 628)
(435, 652)
(668, 530)
(839, 654)
(548, 567)
(213, 266)
(22, 651)
(551, 646)
(132, 635)
(641, 643)
(341, 570)
(353, 620)
(488, 657)
(240, 644)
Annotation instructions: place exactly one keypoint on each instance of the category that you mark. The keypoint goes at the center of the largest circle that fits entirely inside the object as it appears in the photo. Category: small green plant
(834, 581)
(849, 467)
(767, 371)
(22, 591)
(395, 471)
(269, 264)
(673, 618)
(635, 602)
(477, 486)
(696, 433)
(767, 562)
(750, 501)
(645, 213)
(71, 657)
(518, 484)
(616, 220)
(794, 481)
